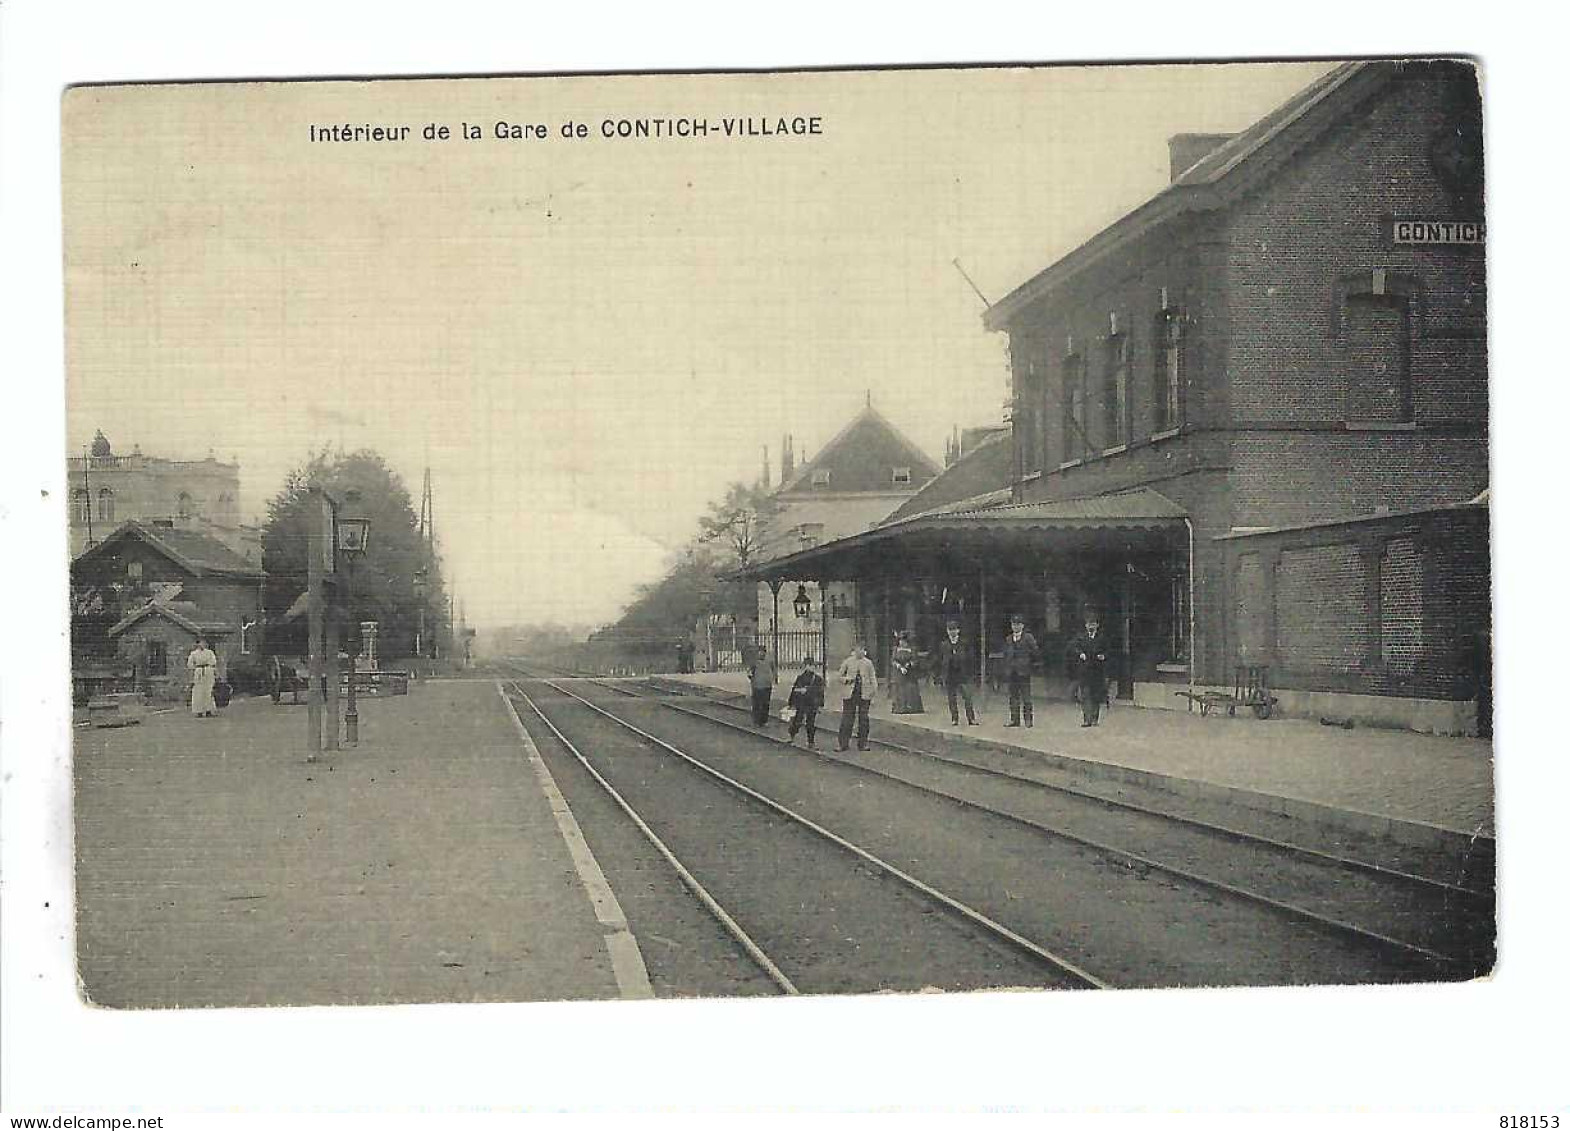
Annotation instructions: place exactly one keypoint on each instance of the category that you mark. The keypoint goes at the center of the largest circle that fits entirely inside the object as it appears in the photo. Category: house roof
(985, 468)
(861, 456)
(191, 550)
(1219, 177)
(158, 608)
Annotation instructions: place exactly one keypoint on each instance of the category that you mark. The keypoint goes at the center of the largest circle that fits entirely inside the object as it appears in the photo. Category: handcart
(1250, 689)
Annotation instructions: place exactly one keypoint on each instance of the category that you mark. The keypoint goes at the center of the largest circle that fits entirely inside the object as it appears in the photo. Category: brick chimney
(1186, 150)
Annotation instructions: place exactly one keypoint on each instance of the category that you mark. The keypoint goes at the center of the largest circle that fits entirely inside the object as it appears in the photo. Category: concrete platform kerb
(1315, 775)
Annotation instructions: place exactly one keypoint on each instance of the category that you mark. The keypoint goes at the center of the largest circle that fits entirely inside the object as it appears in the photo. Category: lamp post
(802, 607)
(419, 631)
(353, 534)
(774, 587)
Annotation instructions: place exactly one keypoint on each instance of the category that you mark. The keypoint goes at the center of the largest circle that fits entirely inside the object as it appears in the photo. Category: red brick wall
(1391, 606)
(1322, 608)
(1296, 373)
(1265, 439)
(177, 643)
(1401, 606)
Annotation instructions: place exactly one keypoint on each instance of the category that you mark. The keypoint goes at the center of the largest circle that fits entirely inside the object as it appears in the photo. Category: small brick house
(1249, 422)
(143, 595)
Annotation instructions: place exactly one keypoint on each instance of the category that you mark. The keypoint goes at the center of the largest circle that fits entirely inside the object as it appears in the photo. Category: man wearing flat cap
(1019, 655)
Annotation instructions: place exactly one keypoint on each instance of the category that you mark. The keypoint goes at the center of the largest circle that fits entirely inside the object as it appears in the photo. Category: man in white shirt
(858, 686)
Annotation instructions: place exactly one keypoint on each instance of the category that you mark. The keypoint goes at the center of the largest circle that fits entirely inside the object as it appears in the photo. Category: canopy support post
(981, 628)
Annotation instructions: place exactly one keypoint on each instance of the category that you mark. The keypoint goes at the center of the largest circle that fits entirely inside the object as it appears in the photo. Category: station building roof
(1216, 179)
(1139, 515)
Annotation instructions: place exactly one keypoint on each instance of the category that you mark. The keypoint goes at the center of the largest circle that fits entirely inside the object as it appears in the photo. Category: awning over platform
(1139, 517)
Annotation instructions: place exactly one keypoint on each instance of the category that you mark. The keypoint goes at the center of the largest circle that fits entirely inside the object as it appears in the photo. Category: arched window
(184, 509)
(81, 507)
(105, 505)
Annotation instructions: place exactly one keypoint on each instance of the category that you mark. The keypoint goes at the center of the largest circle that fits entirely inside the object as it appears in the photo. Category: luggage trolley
(1250, 688)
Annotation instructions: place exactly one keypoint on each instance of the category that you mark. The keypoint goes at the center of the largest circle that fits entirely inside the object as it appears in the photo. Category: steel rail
(712, 905)
(1034, 950)
(1293, 910)
(1351, 863)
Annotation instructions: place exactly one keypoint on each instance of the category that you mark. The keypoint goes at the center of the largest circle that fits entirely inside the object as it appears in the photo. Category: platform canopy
(1141, 519)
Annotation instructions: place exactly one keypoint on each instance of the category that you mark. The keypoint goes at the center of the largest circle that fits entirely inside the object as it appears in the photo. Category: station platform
(216, 867)
(1419, 789)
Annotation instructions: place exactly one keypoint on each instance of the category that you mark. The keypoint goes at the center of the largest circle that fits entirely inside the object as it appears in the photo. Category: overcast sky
(586, 340)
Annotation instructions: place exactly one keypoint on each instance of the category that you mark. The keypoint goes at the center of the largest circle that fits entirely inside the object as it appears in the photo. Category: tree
(383, 577)
(738, 521)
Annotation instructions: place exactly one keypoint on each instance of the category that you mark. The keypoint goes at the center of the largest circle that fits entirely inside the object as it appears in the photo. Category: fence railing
(794, 646)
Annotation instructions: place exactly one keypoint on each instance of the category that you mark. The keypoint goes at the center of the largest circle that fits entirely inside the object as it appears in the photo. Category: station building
(1249, 423)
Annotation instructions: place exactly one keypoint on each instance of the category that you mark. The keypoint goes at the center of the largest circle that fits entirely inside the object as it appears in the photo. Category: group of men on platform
(1087, 656)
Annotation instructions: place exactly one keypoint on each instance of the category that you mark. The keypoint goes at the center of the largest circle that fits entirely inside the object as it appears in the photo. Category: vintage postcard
(756, 534)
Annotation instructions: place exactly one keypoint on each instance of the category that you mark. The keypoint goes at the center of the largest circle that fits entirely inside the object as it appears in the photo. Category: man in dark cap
(954, 672)
(1087, 657)
(806, 698)
(1019, 655)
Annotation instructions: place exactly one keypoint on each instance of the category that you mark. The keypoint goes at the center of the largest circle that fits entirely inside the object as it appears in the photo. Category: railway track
(1433, 884)
(958, 948)
(1412, 935)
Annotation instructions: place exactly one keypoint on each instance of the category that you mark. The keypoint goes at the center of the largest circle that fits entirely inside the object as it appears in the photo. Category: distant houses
(159, 557)
(860, 477)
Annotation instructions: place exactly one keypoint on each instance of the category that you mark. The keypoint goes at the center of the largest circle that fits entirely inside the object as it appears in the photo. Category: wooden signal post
(321, 582)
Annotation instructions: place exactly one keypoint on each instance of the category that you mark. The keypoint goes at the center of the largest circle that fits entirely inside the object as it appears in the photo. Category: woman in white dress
(203, 666)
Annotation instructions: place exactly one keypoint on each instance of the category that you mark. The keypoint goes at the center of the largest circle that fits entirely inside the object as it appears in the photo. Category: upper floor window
(901, 475)
(183, 508)
(1114, 392)
(106, 505)
(820, 476)
(1076, 440)
(133, 572)
(81, 506)
(1375, 338)
(1028, 410)
(1168, 370)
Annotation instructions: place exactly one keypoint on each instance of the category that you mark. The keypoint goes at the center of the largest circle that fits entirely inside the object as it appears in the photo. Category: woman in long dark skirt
(906, 683)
